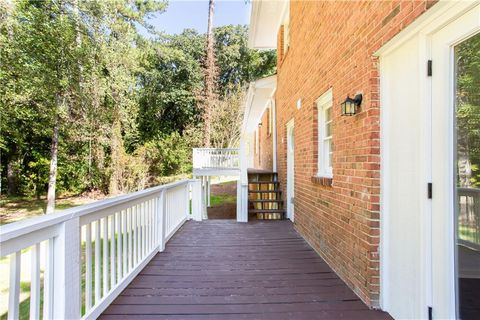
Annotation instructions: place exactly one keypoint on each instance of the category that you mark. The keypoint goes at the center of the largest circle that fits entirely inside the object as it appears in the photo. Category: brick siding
(332, 45)
(264, 158)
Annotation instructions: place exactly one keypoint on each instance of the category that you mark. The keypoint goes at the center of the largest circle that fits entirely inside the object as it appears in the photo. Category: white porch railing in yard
(95, 250)
(211, 158)
(469, 216)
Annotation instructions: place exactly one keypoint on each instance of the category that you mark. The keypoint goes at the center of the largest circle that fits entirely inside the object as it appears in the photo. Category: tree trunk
(11, 179)
(116, 146)
(52, 178)
(210, 78)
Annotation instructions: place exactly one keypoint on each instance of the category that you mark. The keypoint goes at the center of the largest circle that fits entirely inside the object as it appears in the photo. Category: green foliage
(237, 63)
(468, 107)
(168, 155)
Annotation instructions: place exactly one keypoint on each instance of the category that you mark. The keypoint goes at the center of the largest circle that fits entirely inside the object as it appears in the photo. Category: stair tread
(266, 210)
(263, 182)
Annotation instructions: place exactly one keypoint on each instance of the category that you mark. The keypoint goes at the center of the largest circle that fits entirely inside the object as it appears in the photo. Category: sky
(182, 14)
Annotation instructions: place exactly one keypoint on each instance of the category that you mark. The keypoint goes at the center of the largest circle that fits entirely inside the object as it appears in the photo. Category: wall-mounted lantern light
(260, 125)
(350, 106)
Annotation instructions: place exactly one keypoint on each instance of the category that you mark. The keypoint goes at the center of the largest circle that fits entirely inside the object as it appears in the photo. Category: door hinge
(429, 68)
(430, 313)
(429, 190)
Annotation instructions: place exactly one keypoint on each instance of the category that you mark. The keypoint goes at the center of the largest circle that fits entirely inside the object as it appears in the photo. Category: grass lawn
(216, 200)
(14, 209)
(468, 234)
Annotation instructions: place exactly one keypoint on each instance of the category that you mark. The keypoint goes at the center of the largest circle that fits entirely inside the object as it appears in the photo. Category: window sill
(323, 180)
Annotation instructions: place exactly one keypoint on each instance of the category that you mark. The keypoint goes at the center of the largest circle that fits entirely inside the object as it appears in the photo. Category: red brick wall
(264, 158)
(332, 45)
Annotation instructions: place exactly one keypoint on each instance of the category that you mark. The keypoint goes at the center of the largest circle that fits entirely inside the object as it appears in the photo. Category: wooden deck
(220, 269)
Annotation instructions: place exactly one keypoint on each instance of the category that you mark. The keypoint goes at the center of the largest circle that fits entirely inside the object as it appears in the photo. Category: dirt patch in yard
(223, 201)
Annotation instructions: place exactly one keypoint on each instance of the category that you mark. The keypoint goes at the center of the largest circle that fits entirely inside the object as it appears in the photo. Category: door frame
(441, 14)
(444, 202)
(290, 170)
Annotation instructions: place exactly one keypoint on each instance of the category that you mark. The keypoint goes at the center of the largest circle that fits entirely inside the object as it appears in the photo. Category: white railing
(469, 216)
(92, 252)
(211, 158)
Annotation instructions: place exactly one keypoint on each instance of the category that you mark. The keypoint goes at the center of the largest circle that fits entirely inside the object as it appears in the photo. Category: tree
(210, 90)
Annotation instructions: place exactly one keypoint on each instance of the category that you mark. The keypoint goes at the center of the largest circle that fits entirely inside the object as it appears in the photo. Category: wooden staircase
(264, 196)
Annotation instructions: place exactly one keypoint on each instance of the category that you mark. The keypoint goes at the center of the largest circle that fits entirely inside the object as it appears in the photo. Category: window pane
(467, 111)
(327, 153)
(328, 114)
(328, 129)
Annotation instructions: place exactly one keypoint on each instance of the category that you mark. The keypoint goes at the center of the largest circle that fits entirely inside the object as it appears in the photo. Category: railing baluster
(144, 230)
(139, 232)
(124, 246)
(150, 225)
(130, 231)
(118, 227)
(48, 281)
(147, 226)
(105, 256)
(35, 284)
(161, 221)
(97, 262)
(14, 288)
(135, 235)
(113, 269)
(88, 266)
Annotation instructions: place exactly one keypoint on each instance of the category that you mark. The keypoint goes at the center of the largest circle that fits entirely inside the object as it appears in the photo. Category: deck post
(209, 182)
(161, 212)
(66, 293)
(197, 200)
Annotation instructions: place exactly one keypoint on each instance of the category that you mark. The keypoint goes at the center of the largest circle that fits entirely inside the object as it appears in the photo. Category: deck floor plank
(220, 269)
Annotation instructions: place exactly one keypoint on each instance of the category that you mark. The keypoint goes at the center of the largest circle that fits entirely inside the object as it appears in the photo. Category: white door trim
(443, 140)
(290, 170)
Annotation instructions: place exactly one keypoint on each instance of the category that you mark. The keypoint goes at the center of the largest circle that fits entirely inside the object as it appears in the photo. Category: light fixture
(350, 106)
(260, 125)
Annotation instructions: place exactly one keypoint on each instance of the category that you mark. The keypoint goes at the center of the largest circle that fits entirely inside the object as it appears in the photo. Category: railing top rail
(470, 190)
(216, 149)
(20, 228)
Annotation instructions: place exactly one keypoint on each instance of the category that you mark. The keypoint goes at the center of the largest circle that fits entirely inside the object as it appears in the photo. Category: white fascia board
(265, 20)
(258, 95)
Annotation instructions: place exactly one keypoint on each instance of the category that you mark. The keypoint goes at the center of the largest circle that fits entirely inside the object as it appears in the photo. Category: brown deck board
(226, 270)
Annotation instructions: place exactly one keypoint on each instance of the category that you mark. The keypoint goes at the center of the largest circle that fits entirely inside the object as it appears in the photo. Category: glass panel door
(467, 117)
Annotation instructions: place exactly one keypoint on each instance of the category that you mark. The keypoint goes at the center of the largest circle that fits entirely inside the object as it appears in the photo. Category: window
(325, 144)
(286, 37)
(270, 120)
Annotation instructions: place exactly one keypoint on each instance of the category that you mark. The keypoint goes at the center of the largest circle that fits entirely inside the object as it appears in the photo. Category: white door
(290, 169)
(455, 54)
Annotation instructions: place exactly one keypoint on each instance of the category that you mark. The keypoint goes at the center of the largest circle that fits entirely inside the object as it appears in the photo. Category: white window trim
(323, 103)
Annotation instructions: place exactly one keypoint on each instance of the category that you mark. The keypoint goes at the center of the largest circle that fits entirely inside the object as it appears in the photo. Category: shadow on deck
(227, 270)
